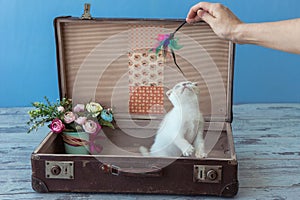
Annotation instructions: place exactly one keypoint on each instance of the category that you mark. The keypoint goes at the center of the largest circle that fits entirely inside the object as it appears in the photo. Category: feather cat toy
(166, 42)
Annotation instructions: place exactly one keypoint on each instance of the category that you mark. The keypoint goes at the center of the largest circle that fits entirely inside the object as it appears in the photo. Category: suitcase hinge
(86, 13)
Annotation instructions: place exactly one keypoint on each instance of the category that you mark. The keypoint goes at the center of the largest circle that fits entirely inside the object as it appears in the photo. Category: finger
(202, 5)
(205, 16)
(193, 20)
(192, 15)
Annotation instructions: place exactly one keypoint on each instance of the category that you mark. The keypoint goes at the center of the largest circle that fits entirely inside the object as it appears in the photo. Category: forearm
(282, 35)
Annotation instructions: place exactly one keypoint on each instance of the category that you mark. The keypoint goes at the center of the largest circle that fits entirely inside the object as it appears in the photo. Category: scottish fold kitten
(181, 130)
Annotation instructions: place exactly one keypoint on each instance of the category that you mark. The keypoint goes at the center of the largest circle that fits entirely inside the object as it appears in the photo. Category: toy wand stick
(172, 51)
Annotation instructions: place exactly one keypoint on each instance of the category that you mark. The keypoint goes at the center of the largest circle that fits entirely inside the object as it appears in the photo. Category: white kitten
(181, 131)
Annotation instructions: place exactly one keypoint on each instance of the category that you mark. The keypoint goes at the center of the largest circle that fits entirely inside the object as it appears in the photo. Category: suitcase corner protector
(38, 185)
(230, 190)
(35, 156)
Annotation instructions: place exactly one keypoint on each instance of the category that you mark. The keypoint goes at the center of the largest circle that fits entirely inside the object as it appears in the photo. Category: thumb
(205, 16)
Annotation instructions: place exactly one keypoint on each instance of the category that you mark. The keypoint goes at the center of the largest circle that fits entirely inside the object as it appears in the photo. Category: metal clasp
(111, 169)
(59, 169)
(207, 174)
(86, 13)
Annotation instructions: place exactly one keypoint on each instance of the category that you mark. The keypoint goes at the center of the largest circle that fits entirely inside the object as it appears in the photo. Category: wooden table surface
(266, 139)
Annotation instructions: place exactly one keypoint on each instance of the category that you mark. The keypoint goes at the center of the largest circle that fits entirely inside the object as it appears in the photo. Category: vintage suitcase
(94, 59)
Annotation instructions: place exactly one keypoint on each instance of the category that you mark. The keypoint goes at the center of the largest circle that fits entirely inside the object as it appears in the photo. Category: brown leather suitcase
(93, 56)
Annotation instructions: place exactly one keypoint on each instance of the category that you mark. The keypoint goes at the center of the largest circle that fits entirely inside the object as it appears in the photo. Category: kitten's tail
(144, 151)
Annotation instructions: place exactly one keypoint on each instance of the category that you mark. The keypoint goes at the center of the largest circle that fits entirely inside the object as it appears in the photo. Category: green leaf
(106, 123)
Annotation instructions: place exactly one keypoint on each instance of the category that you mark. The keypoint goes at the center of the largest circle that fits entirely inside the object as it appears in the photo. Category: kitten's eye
(187, 83)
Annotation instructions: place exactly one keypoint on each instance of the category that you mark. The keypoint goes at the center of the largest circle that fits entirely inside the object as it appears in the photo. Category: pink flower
(57, 126)
(81, 120)
(79, 108)
(91, 127)
(69, 117)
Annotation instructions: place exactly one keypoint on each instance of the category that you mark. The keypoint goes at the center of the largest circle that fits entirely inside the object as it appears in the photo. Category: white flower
(91, 127)
(69, 117)
(94, 108)
(60, 109)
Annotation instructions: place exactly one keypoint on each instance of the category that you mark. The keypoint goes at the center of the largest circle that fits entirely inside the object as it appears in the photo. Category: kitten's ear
(168, 93)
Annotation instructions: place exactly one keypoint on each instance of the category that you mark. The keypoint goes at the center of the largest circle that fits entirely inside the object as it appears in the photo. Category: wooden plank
(267, 131)
(272, 173)
(272, 193)
(266, 141)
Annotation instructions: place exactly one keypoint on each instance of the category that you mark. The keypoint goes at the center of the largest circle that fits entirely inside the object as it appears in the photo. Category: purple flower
(69, 117)
(57, 126)
(91, 127)
(79, 108)
(81, 120)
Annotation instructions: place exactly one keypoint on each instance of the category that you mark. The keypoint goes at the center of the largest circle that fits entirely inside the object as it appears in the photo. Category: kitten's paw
(189, 151)
(199, 154)
(144, 151)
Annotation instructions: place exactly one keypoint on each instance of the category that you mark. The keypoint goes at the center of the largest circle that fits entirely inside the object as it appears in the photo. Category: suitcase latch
(207, 174)
(59, 169)
(86, 12)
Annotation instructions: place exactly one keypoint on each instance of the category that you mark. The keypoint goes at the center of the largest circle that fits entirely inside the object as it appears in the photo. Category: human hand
(220, 18)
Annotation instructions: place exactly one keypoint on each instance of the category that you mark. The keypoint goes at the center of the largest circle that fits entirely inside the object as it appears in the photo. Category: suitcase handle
(132, 172)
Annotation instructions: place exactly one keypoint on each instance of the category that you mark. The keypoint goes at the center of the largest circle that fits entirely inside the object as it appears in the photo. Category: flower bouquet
(79, 125)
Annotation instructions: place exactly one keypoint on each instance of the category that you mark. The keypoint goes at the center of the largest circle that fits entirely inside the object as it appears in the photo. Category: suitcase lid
(96, 58)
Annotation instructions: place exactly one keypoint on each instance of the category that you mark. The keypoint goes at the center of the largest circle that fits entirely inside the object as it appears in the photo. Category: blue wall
(27, 50)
